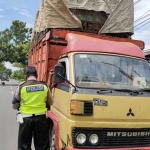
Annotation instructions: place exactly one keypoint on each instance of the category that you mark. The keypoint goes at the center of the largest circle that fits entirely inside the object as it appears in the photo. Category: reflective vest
(33, 99)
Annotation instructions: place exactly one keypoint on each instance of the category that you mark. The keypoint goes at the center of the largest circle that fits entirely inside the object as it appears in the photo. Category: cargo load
(113, 17)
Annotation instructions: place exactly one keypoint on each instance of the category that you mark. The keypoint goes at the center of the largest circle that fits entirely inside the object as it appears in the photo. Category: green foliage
(2, 67)
(18, 75)
(4, 70)
(15, 42)
(8, 71)
(19, 32)
(19, 65)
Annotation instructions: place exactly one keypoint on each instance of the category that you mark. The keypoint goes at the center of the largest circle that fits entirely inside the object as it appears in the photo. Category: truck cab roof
(81, 43)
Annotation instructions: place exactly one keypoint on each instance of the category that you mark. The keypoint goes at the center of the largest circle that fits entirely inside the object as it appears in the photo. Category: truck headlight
(81, 138)
(93, 139)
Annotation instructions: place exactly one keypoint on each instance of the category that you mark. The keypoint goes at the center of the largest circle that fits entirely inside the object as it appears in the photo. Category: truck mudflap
(136, 148)
(55, 123)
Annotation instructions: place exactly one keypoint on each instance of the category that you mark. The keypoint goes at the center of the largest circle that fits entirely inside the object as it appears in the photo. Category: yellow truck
(102, 101)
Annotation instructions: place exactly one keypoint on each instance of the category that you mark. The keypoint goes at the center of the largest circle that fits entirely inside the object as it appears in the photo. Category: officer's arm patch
(34, 88)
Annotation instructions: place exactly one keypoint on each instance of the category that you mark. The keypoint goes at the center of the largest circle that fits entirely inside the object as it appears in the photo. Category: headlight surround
(93, 139)
(81, 138)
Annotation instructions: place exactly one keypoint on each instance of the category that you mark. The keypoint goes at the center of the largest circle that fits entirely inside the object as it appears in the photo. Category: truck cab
(104, 100)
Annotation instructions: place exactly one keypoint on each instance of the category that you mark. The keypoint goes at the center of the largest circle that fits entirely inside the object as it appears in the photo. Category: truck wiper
(123, 72)
(122, 90)
(90, 79)
(132, 92)
(139, 75)
(146, 89)
(103, 90)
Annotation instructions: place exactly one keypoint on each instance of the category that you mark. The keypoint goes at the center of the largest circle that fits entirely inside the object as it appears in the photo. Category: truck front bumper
(135, 148)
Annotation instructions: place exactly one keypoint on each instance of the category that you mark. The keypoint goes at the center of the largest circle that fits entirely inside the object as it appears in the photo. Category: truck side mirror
(58, 73)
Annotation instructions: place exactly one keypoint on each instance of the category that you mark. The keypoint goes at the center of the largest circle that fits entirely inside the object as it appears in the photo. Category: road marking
(11, 89)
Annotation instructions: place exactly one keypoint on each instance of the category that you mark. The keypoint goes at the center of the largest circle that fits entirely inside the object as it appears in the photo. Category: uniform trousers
(35, 127)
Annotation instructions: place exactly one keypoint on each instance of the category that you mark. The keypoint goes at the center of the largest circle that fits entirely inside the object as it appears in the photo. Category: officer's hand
(51, 72)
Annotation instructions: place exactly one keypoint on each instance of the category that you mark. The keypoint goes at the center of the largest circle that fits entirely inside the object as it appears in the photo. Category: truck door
(61, 95)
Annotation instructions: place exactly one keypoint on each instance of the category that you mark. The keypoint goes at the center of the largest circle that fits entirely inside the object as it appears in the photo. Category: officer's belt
(30, 115)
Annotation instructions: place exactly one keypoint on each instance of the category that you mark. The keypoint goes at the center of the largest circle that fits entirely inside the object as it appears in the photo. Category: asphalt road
(8, 125)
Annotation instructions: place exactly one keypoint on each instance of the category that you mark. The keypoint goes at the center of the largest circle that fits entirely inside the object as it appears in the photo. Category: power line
(142, 22)
(142, 25)
(141, 18)
(137, 2)
(142, 15)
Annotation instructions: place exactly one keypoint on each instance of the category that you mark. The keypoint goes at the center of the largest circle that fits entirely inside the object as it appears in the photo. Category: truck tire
(52, 139)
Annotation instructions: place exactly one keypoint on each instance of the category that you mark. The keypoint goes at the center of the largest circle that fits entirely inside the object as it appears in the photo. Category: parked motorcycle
(3, 81)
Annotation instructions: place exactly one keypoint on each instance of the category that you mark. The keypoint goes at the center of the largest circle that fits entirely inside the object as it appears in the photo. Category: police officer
(31, 98)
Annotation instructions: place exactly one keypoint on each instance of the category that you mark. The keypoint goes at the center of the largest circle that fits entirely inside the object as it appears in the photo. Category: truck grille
(114, 138)
(88, 108)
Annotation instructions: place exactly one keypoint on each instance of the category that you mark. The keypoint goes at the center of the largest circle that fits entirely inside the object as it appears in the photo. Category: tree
(18, 65)
(19, 75)
(2, 67)
(6, 47)
(15, 42)
(8, 71)
(4, 70)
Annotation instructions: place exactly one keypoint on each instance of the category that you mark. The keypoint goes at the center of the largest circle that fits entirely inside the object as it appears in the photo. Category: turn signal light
(77, 107)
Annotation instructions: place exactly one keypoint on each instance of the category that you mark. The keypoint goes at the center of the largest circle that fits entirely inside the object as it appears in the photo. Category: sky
(25, 11)
(142, 33)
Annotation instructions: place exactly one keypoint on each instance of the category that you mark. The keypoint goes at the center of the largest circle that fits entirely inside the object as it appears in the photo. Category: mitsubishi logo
(130, 112)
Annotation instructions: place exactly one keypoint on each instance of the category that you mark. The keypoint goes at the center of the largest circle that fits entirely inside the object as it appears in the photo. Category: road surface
(8, 124)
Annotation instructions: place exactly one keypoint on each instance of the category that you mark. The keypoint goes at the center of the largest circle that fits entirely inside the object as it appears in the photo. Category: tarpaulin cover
(96, 5)
(55, 14)
(121, 19)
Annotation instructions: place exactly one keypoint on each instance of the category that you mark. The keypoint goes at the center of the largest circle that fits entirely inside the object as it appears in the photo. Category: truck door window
(64, 65)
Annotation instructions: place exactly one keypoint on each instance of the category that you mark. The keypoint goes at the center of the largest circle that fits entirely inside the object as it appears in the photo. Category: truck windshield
(110, 71)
